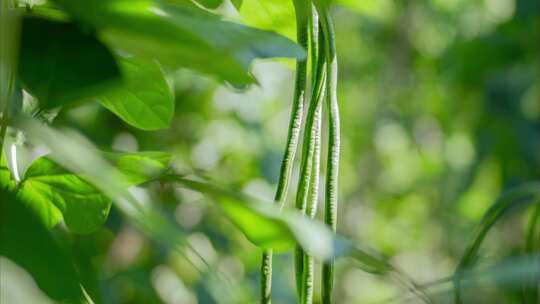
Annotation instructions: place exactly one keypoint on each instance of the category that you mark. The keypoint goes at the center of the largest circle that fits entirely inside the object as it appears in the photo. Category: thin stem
(332, 170)
(295, 124)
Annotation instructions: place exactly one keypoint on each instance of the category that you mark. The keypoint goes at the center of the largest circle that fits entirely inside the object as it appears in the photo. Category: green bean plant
(120, 56)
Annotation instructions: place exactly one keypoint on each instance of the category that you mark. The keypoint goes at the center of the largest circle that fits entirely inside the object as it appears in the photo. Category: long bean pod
(305, 262)
(295, 124)
(332, 167)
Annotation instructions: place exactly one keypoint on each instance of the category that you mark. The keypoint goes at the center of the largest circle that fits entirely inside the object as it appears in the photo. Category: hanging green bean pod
(332, 167)
(307, 261)
(295, 124)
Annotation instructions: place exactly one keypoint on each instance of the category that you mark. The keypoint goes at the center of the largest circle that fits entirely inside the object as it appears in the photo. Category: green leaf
(54, 192)
(144, 100)
(277, 15)
(59, 64)
(140, 167)
(25, 241)
(260, 225)
(182, 36)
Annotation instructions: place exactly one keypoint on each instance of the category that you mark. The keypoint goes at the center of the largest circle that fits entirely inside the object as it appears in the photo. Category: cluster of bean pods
(315, 32)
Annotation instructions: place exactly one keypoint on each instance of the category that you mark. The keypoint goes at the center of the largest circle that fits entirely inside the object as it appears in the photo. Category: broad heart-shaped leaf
(25, 240)
(59, 64)
(53, 192)
(144, 99)
(182, 36)
(56, 193)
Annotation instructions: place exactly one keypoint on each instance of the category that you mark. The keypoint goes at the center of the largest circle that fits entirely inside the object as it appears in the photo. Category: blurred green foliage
(440, 114)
